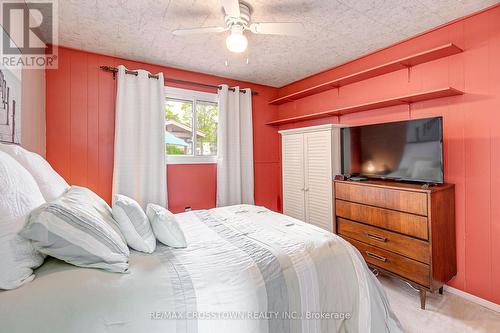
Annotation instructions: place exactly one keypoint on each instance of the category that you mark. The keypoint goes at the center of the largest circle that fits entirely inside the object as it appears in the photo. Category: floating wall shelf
(412, 60)
(408, 99)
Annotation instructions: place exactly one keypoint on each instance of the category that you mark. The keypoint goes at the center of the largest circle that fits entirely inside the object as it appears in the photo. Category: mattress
(246, 269)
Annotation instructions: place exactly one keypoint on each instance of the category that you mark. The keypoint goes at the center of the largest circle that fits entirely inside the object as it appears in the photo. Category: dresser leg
(422, 298)
(441, 290)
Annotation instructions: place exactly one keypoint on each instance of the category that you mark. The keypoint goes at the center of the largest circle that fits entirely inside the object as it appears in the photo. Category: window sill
(191, 159)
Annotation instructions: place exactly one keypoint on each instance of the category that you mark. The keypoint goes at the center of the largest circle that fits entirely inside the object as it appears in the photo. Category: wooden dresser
(401, 229)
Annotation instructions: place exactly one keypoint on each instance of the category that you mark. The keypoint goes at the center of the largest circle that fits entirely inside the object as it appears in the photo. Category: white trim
(327, 127)
(178, 93)
(190, 159)
(478, 300)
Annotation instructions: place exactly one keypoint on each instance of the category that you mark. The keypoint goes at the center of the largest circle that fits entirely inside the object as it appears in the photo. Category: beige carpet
(446, 313)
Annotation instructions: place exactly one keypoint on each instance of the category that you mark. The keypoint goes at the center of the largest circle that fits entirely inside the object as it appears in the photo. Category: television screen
(406, 150)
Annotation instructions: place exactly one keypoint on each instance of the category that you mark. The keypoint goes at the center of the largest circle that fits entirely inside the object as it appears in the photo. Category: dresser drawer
(405, 201)
(407, 268)
(404, 245)
(409, 224)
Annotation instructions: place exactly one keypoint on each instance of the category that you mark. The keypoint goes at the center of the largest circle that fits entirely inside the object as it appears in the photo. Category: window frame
(193, 96)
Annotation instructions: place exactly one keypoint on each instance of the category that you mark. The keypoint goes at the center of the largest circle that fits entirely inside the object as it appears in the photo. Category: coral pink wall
(471, 128)
(80, 132)
(192, 185)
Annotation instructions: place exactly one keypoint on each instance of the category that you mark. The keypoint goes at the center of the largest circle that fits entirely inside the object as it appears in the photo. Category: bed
(246, 269)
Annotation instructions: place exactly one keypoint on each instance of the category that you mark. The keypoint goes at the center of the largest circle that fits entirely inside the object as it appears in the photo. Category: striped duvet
(246, 269)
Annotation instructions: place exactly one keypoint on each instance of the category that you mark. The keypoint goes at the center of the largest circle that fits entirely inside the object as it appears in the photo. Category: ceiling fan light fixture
(236, 42)
(238, 20)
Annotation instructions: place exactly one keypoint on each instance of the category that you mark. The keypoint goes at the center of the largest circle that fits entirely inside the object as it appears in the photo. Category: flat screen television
(405, 150)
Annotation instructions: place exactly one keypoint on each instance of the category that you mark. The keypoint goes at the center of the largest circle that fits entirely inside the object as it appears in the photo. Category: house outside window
(186, 110)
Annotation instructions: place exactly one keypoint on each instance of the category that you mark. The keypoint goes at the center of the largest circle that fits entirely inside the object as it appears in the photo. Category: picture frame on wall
(10, 102)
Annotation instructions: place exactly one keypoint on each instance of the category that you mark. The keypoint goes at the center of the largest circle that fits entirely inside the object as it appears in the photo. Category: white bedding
(245, 270)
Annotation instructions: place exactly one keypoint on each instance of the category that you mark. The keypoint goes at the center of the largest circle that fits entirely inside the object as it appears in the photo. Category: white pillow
(78, 228)
(19, 195)
(165, 226)
(51, 184)
(133, 223)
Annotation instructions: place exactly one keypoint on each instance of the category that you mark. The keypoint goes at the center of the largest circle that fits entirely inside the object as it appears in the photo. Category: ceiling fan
(238, 21)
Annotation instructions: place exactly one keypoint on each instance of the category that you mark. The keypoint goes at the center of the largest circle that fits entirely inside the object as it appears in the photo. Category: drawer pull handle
(375, 256)
(376, 237)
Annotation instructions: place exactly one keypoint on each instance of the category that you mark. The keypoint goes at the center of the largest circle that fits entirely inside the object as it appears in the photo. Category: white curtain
(235, 148)
(139, 163)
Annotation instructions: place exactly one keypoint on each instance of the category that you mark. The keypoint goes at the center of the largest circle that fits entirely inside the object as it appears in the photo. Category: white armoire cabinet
(310, 159)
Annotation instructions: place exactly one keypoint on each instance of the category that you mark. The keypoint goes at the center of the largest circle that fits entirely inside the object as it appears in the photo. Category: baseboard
(478, 300)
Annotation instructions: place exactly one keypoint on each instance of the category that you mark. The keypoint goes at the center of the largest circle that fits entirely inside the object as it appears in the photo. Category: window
(206, 125)
(186, 110)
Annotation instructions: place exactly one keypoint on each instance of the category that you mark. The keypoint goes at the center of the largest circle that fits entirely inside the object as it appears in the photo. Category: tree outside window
(206, 123)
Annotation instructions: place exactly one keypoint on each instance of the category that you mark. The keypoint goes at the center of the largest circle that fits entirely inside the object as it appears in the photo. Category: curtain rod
(151, 76)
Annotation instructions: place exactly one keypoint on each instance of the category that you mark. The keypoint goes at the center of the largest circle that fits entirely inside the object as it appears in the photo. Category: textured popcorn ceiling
(336, 31)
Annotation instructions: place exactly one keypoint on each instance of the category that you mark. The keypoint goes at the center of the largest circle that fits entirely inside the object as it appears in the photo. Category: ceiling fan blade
(231, 7)
(284, 28)
(182, 32)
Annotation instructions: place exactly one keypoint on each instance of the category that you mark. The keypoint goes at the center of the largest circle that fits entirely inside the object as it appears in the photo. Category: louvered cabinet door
(318, 178)
(293, 176)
